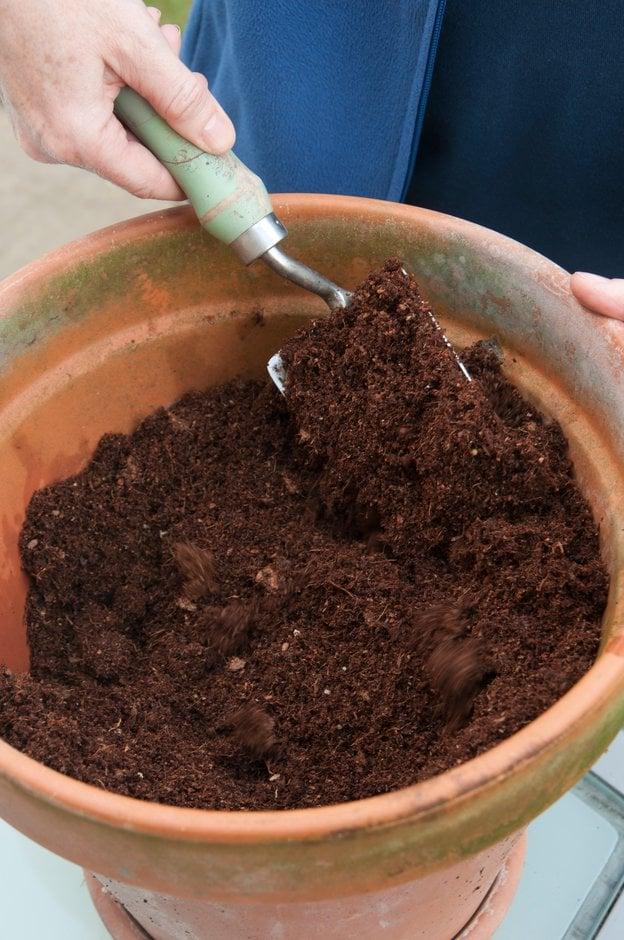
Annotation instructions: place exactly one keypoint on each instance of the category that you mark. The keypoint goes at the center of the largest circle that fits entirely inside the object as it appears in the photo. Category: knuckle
(188, 97)
(26, 135)
(62, 139)
(143, 190)
(63, 149)
(25, 142)
(29, 148)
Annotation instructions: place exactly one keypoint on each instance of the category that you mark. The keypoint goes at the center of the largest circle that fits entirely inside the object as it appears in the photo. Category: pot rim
(591, 694)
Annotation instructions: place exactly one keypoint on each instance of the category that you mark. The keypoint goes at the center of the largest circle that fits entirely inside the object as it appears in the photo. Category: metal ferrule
(259, 238)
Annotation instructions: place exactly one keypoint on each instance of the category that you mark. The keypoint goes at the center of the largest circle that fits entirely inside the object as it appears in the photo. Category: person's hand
(600, 294)
(62, 65)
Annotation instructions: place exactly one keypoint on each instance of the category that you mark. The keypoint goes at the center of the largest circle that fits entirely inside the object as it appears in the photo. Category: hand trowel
(231, 203)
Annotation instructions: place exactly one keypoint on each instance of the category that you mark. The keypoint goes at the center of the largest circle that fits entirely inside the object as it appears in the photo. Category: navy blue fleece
(524, 130)
(324, 93)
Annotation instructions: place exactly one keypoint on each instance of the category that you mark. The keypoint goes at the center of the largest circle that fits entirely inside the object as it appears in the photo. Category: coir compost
(256, 602)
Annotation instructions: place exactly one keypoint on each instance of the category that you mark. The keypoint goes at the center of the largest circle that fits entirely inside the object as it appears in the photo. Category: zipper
(424, 95)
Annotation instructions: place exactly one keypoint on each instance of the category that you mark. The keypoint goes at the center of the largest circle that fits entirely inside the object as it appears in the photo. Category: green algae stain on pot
(112, 276)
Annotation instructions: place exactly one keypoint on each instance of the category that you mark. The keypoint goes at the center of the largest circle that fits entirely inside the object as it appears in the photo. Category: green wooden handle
(227, 197)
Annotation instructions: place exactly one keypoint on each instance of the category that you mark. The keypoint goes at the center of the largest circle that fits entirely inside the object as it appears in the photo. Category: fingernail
(218, 133)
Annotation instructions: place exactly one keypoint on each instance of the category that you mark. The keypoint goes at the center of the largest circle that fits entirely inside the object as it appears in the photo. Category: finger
(128, 164)
(600, 294)
(172, 34)
(170, 31)
(147, 64)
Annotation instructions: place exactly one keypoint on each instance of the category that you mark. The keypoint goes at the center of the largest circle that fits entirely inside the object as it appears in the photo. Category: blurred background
(44, 206)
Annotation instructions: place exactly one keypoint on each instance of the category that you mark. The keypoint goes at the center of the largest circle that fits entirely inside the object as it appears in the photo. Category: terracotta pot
(95, 336)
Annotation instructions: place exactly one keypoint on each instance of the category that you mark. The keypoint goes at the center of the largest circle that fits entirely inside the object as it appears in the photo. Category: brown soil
(248, 603)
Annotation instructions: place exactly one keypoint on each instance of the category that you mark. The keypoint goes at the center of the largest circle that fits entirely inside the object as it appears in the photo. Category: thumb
(180, 96)
(600, 294)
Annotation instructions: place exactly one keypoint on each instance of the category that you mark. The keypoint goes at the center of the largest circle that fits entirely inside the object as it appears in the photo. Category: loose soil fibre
(260, 603)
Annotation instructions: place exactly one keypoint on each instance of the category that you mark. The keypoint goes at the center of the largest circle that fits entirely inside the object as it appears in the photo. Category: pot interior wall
(95, 340)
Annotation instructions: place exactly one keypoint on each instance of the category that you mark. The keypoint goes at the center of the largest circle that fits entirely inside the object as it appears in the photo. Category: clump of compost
(257, 602)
